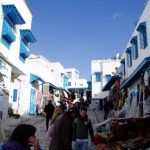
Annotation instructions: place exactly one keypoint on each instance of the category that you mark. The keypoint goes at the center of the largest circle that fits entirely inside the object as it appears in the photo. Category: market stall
(125, 134)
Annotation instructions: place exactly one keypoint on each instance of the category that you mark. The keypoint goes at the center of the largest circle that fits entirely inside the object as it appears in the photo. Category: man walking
(62, 135)
(49, 109)
(82, 127)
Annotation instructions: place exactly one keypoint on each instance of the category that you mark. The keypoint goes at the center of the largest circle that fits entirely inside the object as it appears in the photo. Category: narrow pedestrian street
(39, 123)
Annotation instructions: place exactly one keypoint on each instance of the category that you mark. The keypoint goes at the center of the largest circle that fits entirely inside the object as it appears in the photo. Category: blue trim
(136, 74)
(13, 14)
(35, 77)
(109, 84)
(27, 35)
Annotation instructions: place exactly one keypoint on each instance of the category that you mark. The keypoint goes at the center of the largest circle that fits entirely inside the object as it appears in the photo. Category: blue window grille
(134, 47)
(8, 35)
(15, 92)
(142, 35)
(129, 57)
(123, 71)
(98, 76)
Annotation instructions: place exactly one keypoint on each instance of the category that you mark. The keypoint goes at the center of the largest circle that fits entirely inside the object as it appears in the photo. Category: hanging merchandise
(146, 78)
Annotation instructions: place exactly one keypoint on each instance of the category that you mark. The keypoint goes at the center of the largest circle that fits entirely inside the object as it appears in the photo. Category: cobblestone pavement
(39, 123)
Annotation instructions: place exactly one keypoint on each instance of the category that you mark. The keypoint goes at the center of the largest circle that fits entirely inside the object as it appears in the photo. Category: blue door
(32, 110)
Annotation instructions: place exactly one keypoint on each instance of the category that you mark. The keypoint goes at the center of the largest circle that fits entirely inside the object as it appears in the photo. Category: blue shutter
(129, 57)
(15, 92)
(123, 67)
(134, 47)
(98, 76)
(141, 40)
(108, 76)
(145, 36)
(142, 35)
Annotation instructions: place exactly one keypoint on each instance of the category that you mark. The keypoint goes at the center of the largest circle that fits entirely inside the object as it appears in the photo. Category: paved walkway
(39, 123)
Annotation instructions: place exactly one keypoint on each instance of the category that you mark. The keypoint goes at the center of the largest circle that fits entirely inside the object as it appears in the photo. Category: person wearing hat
(62, 135)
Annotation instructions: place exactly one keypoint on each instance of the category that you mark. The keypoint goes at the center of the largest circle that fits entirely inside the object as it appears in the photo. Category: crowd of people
(68, 128)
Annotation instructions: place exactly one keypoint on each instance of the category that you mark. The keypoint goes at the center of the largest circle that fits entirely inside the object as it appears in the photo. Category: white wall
(12, 54)
(141, 52)
(106, 66)
(58, 71)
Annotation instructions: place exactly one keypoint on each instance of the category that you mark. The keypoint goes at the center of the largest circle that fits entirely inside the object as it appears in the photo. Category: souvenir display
(124, 134)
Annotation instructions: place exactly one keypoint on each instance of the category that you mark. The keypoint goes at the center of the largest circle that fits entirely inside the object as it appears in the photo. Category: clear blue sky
(74, 32)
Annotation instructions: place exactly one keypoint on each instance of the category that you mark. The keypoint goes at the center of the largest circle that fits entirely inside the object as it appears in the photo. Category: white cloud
(116, 15)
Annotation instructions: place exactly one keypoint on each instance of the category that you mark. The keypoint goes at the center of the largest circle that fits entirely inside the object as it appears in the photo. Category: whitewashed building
(38, 73)
(135, 64)
(101, 72)
(15, 39)
(75, 84)
(60, 76)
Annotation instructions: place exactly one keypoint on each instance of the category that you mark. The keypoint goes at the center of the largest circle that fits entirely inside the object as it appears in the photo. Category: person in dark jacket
(82, 127)
(106, 109)
(62, 136)
(49, 109)
(22, 138)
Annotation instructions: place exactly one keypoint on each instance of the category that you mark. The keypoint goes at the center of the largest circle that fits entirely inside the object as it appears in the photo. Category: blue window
(26, 38)
(98, 76)
(108, 76)
(11, 18)
(15, 92)
(134, 47)
(123, 67)
(69, 83)
(142, 35)
(8, 35)
(24, 52)
(65, 82)
(129, 57)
